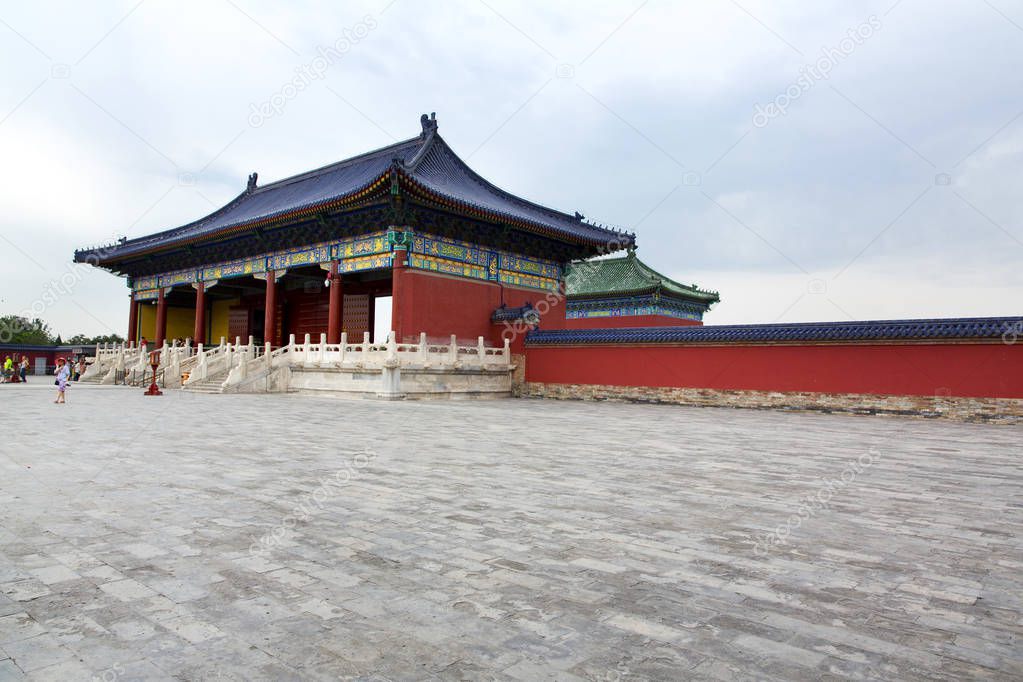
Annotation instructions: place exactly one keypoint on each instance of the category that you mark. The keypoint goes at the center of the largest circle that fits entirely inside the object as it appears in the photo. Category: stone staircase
(212, 385)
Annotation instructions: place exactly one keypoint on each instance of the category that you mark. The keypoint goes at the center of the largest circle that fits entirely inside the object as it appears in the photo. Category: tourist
(24, 367)
(63, 373)
(8, 369)
(82, 366)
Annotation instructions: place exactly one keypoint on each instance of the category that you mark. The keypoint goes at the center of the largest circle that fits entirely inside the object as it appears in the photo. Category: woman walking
(24, 367)
(63, 373)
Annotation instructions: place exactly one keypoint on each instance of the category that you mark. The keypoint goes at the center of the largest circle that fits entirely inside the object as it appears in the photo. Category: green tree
(18, 329)
(83, 340)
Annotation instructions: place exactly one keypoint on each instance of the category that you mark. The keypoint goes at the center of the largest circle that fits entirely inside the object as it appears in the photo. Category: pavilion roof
(626, 275)
(424, 164)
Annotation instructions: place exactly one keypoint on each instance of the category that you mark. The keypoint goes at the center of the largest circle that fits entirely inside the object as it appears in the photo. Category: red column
(199, 333)
(399, 256)
(133, 321)
(161, 320)
(334, 313)
(270, 316)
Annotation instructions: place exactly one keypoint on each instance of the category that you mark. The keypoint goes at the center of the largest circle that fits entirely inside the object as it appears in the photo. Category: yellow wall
(180, 322)
(147, 322)
(218, 320)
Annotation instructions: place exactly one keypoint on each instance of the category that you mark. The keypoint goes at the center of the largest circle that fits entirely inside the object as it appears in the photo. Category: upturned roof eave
(656, 288)
(303, 211)
(653, 280)
(123, 252)
(623, 239)
(517, 221)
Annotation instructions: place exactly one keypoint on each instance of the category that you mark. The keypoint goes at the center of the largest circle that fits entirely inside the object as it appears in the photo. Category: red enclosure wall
(969, 370)
(441, 306)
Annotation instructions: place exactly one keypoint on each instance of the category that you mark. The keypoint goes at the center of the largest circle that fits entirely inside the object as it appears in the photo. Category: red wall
(968, 370)
(50, 356)
(50, 353)
(441, 306)
(628, 321)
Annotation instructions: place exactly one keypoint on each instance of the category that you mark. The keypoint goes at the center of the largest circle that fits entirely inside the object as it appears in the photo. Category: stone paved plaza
(215, 537)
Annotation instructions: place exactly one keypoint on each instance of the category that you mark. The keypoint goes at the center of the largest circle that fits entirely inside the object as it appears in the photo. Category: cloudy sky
(810, 161)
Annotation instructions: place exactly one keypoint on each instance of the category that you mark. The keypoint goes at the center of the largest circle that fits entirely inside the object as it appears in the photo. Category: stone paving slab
(200, 536)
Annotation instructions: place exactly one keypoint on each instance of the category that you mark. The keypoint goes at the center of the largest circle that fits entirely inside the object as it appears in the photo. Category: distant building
(42, 359)
(625, 292)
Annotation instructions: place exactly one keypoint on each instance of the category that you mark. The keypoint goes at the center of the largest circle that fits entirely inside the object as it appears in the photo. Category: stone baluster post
(390, 372)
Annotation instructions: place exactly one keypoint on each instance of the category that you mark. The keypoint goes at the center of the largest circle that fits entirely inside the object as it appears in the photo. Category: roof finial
(252, 182)
(429, 122)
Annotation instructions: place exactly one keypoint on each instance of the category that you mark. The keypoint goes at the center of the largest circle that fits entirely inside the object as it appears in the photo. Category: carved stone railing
(110, 358)
(217, 361)
(423, 355)
(389, 358)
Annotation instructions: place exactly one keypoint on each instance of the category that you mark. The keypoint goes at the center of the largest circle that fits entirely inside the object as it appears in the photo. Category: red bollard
(154, 361)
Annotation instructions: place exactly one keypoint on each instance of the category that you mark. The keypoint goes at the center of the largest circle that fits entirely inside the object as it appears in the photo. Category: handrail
(405, 354)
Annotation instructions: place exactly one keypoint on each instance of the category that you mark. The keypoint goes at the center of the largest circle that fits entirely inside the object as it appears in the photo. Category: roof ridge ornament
(252, 182)
(429, 123)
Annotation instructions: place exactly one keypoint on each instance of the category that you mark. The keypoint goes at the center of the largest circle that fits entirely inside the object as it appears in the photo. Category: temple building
(310, 254)
(625, 292)
(493, 296)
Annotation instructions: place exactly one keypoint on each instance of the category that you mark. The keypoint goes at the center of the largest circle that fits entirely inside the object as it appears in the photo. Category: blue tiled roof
(877, 330)
(506, 314)
(441, 171)
(425, 161)
(307, 190)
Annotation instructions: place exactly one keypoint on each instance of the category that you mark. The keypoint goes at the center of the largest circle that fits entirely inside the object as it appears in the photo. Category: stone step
(206, 386)
(204, 389)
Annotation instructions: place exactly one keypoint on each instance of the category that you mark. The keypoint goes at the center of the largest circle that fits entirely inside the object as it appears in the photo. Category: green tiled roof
(626, 275)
